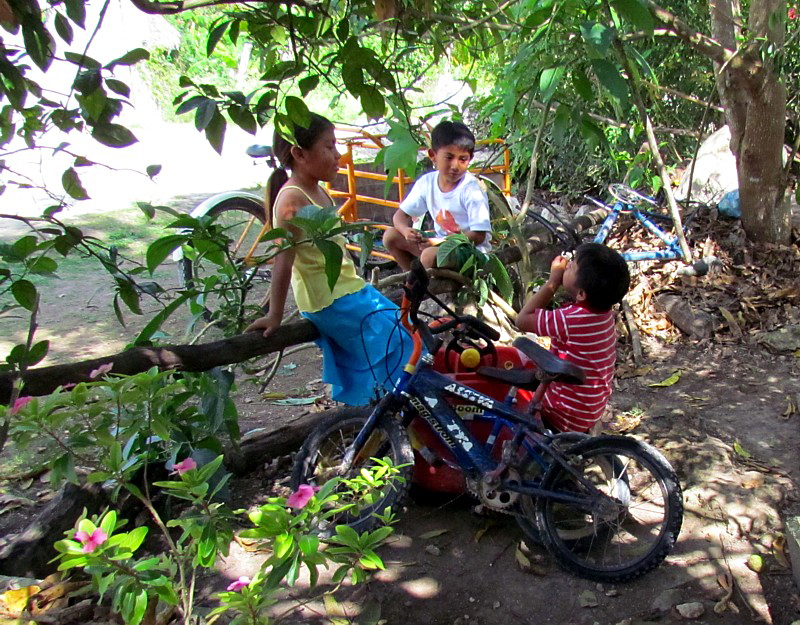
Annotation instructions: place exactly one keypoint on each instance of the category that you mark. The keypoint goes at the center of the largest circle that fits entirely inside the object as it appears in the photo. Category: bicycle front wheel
(228, 283)
(624, 533)
(321, 455)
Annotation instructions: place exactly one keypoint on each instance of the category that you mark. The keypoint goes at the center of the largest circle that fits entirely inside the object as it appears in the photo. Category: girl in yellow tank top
(363, 346)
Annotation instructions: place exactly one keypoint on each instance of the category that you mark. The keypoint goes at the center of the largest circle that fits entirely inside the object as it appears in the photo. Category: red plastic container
(431, 456)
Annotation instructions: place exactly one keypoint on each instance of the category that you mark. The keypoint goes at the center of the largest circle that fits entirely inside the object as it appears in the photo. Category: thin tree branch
(684, 96)
(700, 42)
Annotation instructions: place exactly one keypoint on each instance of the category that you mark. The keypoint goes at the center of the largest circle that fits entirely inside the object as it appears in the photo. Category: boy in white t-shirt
(451, 195)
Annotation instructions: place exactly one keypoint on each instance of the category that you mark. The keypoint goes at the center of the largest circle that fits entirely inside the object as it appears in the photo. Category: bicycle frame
(424, 389)
(645, 218)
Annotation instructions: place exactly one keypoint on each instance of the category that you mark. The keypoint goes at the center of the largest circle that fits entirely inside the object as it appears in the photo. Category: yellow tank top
(309, 281)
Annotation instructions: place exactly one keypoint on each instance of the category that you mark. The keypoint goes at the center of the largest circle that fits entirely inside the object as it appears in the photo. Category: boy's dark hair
(602, 274)
(453, 133)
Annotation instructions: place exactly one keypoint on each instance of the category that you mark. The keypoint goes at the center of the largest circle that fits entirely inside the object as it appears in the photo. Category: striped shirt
(587, 339)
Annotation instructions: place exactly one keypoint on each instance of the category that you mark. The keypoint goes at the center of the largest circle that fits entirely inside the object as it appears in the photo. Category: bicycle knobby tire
(322, 452)
(632, 530)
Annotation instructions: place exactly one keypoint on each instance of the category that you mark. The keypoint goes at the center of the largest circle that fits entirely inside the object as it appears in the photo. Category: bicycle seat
(521, 378)
(259, 151)
(562, 370)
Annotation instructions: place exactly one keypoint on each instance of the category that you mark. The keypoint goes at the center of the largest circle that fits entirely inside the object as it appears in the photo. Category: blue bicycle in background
(645, 212)
(607, 508)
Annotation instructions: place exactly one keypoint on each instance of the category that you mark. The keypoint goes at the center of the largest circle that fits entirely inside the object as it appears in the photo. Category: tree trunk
(755, 105)
(762, 184)
(759, 163)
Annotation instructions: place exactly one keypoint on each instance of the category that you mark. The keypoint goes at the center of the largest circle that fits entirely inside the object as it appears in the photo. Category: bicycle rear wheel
(626, 533)
(321, 454)
(228, 288)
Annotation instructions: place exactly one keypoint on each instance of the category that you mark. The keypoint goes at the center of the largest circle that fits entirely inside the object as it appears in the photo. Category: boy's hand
(557, 268)
(415, 238)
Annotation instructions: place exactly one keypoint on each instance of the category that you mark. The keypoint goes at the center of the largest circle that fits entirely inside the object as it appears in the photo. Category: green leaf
(72, 185)
(741, 451)
(82, 60)
(76, 11)
(114, 135)
(610, 77)
(37, 353)
(44, 265)
(130, 58)
(309, 544)
(109, 522)
(635, 12)
(25, 294)
(582, 84)
(38, 43)
(549, 81)
(190, 104)
(501, 278)
(215, 132)
(63, 28)
(206, 109)
(372, 102)
(592, 134)
(119, 87)
(333, 260)
(598, 38)
(402, 154)
(88, 81)
(297, 110)
(129, 295)
(153, 170)
(163, 247)
(139, 608)
(159, 318)
(215, 35)
(308, 84)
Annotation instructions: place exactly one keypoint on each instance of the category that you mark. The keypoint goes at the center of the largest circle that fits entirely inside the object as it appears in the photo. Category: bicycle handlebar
(416, 288)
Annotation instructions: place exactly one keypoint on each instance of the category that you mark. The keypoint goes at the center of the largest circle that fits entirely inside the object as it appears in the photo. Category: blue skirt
(364, 347)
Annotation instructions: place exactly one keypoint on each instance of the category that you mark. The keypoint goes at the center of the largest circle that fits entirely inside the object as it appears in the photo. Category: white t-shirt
(464, 208)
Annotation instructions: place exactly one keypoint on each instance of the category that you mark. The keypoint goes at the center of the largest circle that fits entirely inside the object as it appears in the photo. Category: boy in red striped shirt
(582, 332)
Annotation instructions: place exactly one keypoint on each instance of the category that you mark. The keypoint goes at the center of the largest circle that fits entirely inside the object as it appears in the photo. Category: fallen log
(205, 356)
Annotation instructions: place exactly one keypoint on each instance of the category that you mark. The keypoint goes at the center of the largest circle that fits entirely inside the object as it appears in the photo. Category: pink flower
(184, 466)
(91, 541)
(301, 497)
(19, 403)
(793, 14)
(101, 370)
(242, 582)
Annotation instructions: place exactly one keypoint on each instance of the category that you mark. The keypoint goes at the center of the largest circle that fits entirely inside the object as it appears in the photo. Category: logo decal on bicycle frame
(468, 411)
(460, 437)
(423, 412)
(469, 395)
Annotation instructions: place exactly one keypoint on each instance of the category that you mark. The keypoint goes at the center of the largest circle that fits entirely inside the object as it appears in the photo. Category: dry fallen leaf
(526, 565)
(433, 534)
(778, 550)
(672, 379)
(483, 529)
(13, 602)
(741, 451)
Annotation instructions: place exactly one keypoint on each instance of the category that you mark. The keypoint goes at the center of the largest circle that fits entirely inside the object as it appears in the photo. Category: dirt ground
(722, 425)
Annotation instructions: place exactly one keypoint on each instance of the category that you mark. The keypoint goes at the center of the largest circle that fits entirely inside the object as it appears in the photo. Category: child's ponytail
(276, 180)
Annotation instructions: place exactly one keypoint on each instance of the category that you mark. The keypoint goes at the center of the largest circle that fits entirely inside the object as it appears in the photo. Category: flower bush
(286, 527)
